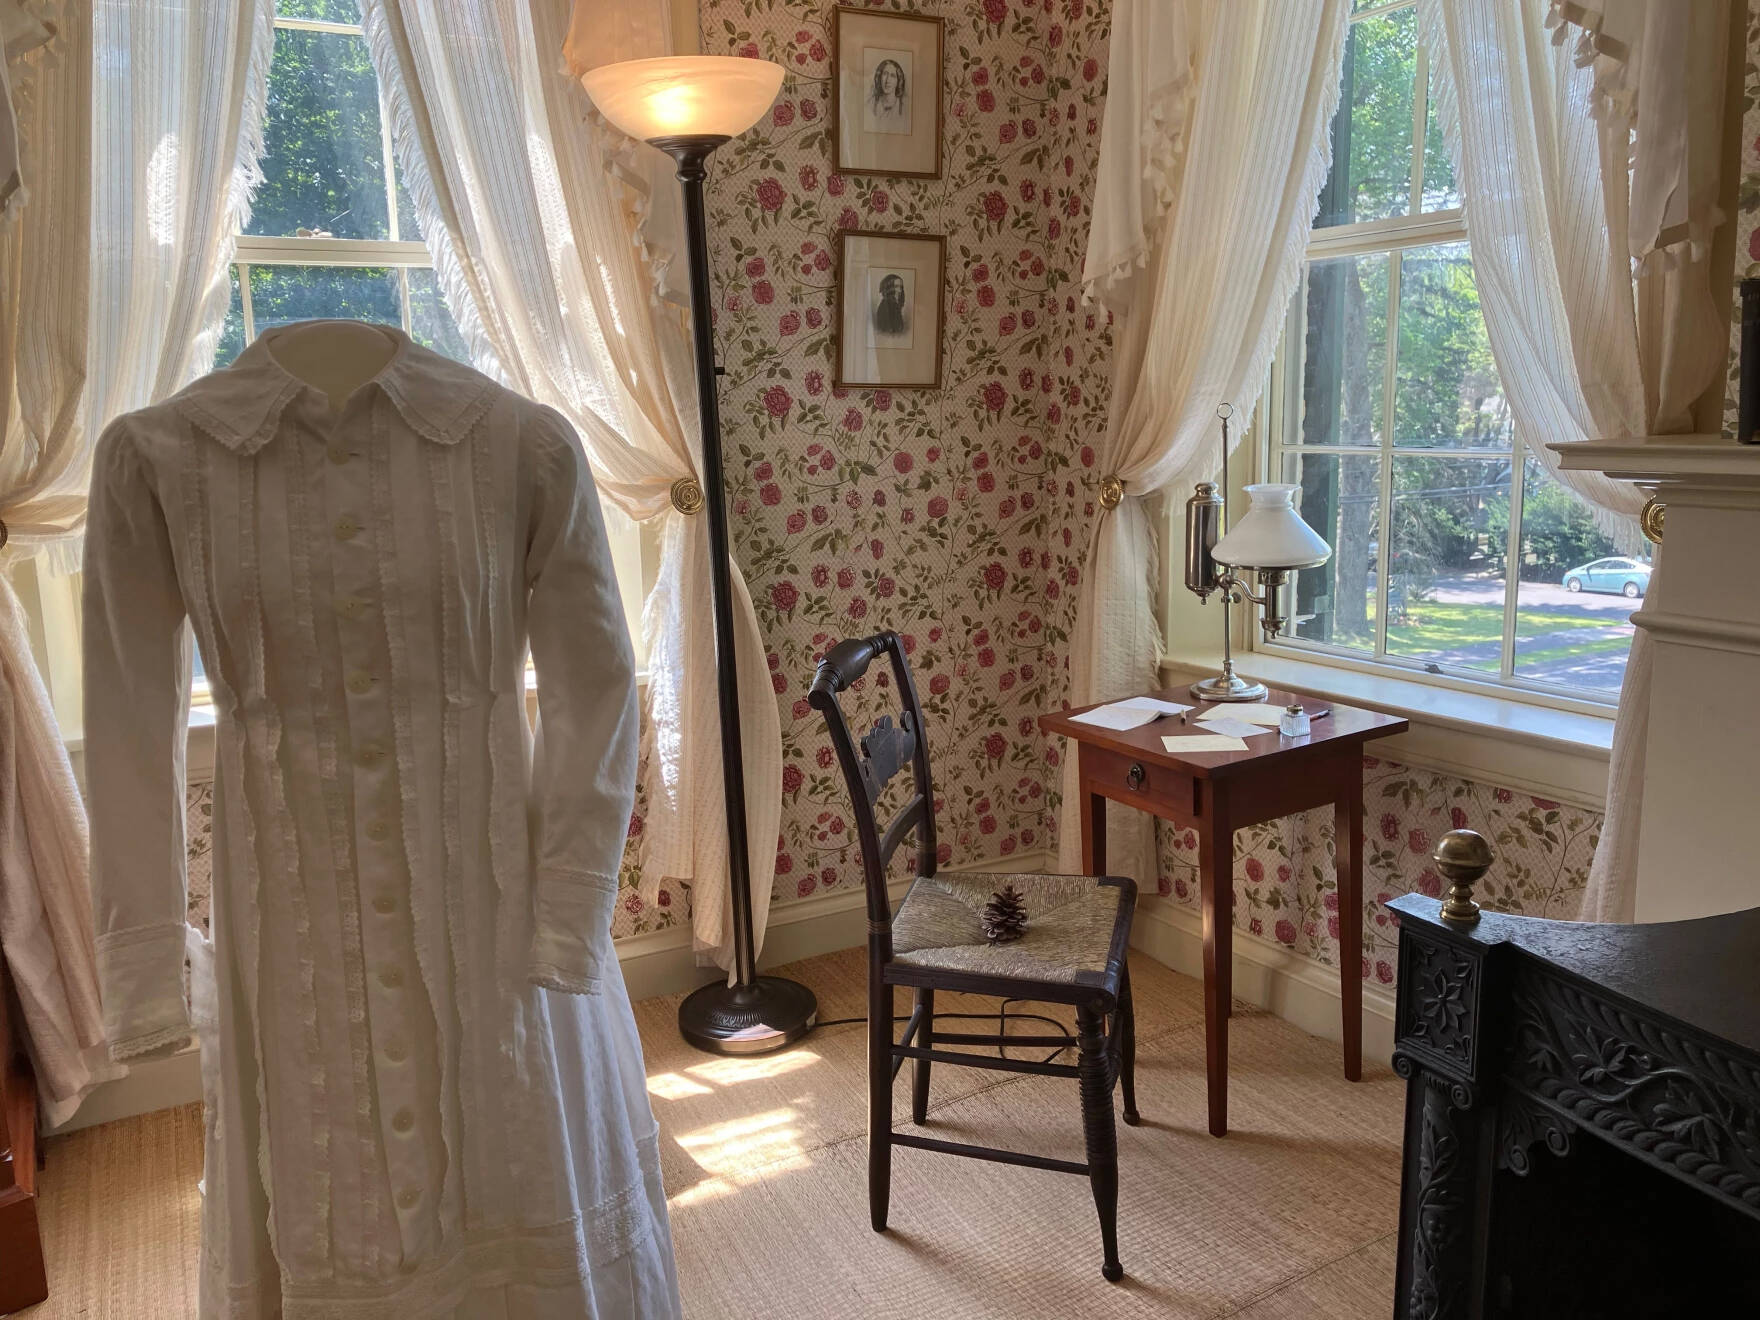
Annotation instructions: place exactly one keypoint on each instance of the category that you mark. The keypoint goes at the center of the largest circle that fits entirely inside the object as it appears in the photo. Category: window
(1454, 553)
(333, 233)
(332, 230)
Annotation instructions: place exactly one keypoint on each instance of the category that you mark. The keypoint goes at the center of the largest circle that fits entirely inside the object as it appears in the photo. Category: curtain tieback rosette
(687, 495)
(1111, 492)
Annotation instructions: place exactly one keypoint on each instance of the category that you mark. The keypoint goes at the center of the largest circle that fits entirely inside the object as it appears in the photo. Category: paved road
(1604, 617)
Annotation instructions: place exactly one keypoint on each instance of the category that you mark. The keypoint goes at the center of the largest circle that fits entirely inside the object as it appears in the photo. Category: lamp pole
(755, 1013)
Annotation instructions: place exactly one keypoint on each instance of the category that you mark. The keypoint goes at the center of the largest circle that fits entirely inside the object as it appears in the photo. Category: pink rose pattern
(937, 513)
(1747, 218)
(1285, 888)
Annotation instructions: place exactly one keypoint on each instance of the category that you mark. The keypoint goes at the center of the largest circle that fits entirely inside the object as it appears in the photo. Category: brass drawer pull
(1135, 776)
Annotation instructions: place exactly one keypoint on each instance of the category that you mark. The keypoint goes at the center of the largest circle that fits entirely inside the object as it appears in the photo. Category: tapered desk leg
(1216, 889)
(1347, 819)
(1094, 835)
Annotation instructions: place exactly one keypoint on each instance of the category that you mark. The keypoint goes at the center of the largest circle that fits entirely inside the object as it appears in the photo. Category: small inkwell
(1293, 723)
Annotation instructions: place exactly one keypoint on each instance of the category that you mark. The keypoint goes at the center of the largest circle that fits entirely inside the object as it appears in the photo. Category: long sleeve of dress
(584, 769)
(136, 712)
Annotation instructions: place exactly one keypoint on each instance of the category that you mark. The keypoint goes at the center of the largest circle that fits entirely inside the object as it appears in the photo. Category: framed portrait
(886, 93)
(889, 309)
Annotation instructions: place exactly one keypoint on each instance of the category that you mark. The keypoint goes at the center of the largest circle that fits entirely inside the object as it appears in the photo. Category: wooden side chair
(1071, 952)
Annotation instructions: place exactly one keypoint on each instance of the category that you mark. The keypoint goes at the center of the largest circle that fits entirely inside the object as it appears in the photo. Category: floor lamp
(688, 106)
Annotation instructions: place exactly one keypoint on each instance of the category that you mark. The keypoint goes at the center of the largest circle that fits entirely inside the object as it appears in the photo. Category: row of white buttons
(362, 682)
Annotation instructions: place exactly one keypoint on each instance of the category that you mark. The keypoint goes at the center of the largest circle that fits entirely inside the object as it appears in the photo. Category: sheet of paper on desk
(1203, 742)
(1233, 728)
(1155, 704)
(1115, 716)
(1252, 712)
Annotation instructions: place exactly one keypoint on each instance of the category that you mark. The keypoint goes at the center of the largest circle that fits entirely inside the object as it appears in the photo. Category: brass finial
(1463, 857)
(1650, 519)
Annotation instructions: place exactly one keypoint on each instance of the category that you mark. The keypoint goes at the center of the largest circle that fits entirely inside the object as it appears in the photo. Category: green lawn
(1447, 626)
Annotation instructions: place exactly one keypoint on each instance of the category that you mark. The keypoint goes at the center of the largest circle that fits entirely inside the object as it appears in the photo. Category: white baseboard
(1297, 989)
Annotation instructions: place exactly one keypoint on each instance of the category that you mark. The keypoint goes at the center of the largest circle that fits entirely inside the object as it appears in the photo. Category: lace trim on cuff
(153, 1042)
(552, 977)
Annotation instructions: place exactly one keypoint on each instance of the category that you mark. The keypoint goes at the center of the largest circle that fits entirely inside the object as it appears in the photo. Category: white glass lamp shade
(1272, 534)
(684, 95)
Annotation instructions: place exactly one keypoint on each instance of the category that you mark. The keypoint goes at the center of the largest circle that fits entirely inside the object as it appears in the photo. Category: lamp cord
(1001, 1016)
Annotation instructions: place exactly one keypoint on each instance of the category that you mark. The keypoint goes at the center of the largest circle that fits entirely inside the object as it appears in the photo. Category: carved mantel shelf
(1696, 466)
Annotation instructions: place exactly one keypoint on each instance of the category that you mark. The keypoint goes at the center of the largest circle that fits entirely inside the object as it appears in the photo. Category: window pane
(430, 323)
(280, 294)
(1575, 638)
(1341, 500)
(323, 162)
(1371, 175)
(1445, 589)
(1439, 190)
(1345, 352)
(1448, 393)
(232, 329)
(333, 11)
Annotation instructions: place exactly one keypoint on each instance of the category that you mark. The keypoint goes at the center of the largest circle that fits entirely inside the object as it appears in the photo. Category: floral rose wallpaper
(1284, 882)
(959, 517)
(1747, 216)
(951, 516)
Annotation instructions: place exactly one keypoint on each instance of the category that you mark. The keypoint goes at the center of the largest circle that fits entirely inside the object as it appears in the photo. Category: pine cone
(1005, 916)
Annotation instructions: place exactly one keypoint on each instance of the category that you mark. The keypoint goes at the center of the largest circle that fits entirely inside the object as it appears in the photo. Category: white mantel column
(1696, 851)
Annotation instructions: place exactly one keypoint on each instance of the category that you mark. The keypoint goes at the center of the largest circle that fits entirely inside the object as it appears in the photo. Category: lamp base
(766, 1015)
(1228, 687)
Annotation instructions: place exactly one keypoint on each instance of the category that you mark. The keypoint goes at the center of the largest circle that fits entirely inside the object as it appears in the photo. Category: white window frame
(1282, 412)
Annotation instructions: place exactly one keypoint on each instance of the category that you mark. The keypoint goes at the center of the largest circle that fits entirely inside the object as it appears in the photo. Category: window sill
(1488, 739)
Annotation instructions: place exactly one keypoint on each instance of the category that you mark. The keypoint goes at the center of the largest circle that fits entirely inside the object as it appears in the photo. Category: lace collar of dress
(241, 405)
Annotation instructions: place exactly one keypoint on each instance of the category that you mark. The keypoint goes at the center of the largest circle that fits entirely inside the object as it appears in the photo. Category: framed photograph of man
(886, 93)
(889, 309)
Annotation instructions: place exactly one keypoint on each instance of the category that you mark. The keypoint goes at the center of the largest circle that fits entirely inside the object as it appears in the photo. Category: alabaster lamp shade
(1272, 534)
(684, 95)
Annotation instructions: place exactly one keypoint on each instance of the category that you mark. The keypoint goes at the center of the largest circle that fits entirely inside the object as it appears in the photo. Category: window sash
(1393, 236)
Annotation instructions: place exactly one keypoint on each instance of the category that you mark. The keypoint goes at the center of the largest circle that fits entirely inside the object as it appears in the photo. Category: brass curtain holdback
(687, 495)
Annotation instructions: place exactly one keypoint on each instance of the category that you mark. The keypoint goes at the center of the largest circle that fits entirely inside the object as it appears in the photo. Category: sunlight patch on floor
(732, 1071)
(740, 1151)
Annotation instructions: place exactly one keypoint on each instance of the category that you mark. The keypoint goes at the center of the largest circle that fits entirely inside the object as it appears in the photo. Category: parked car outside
(1617, 574)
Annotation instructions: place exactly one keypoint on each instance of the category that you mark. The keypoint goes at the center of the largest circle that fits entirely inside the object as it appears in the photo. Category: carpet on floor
(1291, 1216)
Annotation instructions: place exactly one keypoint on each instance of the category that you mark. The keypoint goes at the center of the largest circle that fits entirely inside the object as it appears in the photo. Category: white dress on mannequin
(424, 1090)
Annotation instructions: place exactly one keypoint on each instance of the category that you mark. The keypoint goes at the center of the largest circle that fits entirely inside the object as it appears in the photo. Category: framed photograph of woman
(886, 93)
(889, 309)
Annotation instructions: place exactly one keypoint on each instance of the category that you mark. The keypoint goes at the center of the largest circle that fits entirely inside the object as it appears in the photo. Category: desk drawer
(1139, 782)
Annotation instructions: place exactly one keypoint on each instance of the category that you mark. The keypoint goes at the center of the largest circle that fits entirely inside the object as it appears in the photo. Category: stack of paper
(1203, 742)
(1232, 728)
(1131, 713)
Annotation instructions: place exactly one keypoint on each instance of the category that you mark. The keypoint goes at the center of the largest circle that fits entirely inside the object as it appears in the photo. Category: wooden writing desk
(1216, 793)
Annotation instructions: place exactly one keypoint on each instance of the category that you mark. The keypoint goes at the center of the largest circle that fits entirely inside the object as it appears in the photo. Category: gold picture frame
(891, 308)
(884, 119)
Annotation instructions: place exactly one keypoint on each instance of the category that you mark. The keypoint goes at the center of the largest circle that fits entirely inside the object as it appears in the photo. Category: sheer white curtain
(45, 907)
(530, 208)
(1214, 148)
(138, 136)
(1562, 202)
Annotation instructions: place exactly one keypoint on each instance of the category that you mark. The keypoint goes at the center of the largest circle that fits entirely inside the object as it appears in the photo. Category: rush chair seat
(1072, 951)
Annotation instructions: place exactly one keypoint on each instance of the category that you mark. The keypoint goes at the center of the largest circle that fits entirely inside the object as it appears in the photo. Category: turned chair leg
(926, 1039)
(879, 1104)
(1127, 1041)
(1102, 1136)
